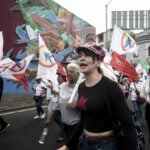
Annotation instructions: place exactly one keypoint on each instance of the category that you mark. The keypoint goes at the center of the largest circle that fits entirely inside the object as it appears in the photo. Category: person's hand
(49, 86)
(71, 105)
(64, 147)
(47, 122)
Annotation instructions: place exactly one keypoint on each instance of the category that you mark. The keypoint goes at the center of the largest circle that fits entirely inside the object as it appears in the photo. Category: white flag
(17, 68)
(1, 45)
(107, 68)
(141, 71)
(139, 68)
(17, 71)
(122, 42)
(47, 67)
(5, 64)
(108, 72)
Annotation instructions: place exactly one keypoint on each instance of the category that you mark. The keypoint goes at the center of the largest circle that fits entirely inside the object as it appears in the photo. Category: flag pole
(80, 79)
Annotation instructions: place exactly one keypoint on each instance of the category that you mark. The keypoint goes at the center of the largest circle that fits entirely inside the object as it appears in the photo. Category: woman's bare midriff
(99, 134)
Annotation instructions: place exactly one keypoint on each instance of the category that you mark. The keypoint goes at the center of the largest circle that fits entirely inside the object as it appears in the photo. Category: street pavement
(24, 132)
(11, 102)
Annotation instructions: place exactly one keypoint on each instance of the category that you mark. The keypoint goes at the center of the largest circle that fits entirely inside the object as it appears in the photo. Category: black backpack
(119, 133)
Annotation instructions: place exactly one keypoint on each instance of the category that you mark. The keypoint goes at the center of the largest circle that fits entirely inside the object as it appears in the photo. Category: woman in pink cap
(100, 101)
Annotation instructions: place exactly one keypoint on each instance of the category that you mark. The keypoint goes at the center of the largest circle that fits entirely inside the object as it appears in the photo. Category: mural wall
(24, 20)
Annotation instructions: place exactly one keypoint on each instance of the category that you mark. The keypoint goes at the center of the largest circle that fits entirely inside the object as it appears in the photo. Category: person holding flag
(71, 117)
(62, 75)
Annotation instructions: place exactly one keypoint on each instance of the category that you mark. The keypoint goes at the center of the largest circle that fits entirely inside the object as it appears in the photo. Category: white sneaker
(43, 116)
(36, 117)
(41, 142)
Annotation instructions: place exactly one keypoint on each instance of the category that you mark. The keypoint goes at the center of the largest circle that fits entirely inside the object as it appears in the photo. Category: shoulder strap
(137, 92)
(135, 86)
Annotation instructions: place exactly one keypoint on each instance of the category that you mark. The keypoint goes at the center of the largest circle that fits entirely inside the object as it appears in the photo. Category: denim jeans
(138, 111)
(109, 144)
(38, 103)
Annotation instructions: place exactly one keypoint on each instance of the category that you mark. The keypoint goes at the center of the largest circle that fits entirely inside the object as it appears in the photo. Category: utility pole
(106, 40)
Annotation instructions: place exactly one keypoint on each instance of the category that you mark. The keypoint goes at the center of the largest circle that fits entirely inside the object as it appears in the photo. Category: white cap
(38, 77)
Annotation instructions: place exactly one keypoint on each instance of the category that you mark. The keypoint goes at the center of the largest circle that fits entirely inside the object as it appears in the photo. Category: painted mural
(60, 29)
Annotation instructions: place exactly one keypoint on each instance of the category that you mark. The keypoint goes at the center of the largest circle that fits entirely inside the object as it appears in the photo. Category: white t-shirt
(39, 91)
(145, 90)
(69, 117)
(55, 98)
(133, 89)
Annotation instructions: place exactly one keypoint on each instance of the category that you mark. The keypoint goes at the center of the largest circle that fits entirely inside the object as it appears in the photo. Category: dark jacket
(1, 87)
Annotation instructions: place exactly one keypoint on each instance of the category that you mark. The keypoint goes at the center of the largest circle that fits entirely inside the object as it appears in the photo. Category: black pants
(3, 123)
(68, 129)
(147, 115)
(57, 119)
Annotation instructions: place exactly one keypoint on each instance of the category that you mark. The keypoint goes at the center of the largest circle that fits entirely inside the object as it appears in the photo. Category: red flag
(122, 65)
(61, 70)
(22, 79)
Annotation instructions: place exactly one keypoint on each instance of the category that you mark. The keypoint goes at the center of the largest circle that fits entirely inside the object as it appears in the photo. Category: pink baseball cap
(93, 47)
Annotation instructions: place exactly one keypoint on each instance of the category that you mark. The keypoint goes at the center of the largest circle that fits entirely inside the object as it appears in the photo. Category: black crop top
(96, 116)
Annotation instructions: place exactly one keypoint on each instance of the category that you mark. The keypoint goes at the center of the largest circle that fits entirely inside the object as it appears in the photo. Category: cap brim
(38, 78)
(82, 48)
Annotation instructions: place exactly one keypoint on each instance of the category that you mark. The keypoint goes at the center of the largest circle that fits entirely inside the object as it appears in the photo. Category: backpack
(119, 133)
(139, 132)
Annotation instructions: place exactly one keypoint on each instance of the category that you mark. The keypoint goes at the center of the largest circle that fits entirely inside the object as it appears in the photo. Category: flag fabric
(17, 71)
(1, 45)
(23, 80)
(122, 65)
(5, 64)
(144, 75)
(139, 68)
(122, 42)
(107, 68)
(141, 71)
(61, 70)
(47, 66)
(108, 72)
